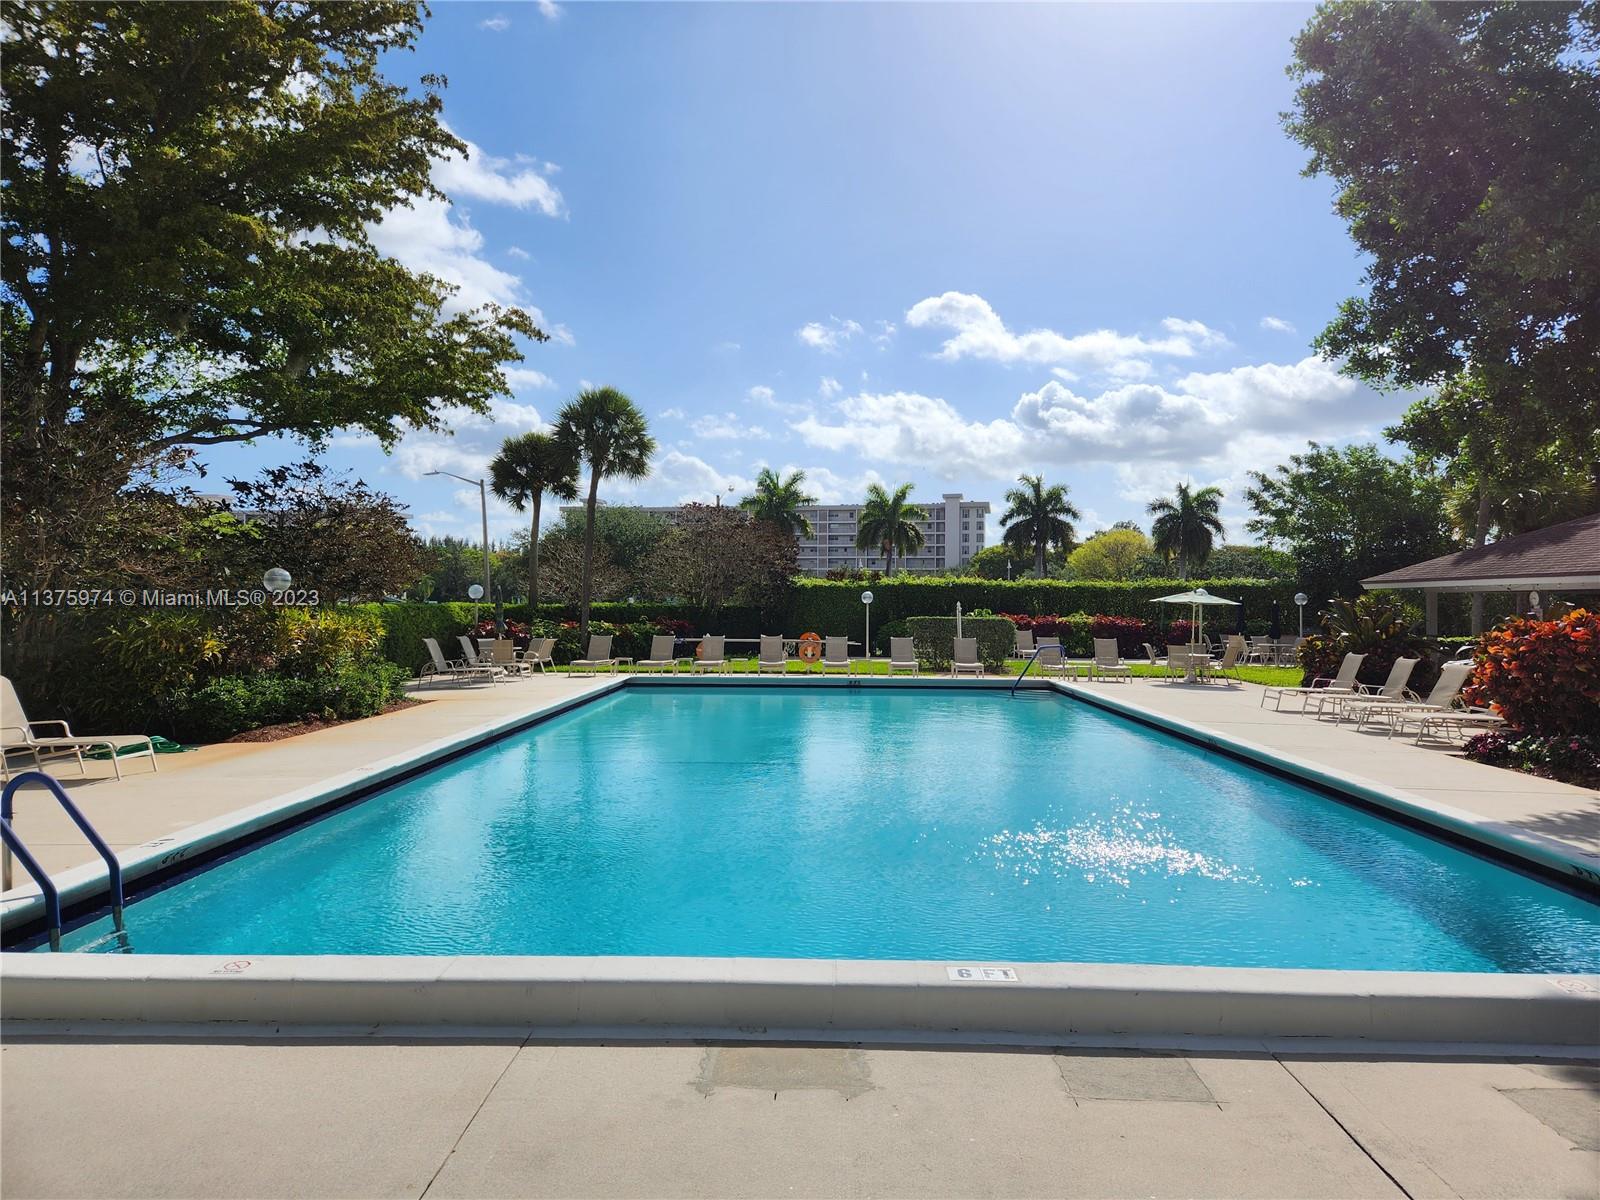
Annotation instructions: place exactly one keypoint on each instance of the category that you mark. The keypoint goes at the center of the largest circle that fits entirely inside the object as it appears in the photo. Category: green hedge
(829, 607)
(934, 640)
(406, 623)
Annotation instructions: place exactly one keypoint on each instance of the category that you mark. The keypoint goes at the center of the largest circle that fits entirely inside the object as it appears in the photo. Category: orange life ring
(810, 648)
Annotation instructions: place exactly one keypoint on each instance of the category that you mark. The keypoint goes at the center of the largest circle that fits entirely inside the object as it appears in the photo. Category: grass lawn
(1267, 676)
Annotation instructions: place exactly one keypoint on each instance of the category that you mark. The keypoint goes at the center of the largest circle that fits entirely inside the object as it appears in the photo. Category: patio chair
(772, 658)
(1446, 692)
(1024, 642)
(503, 654)
(1155, 660)
(836, 654)
(470, 655)
(1228, 664)
(712, 655)
(661, 658)
(599, 655)
(964, 660)
(902, 655)
(17, 736)
(1461, 720)
(540, 653)
(1107, 661)
(1052, 659)
(453, 670)
(1392, 689)
(1344, 681)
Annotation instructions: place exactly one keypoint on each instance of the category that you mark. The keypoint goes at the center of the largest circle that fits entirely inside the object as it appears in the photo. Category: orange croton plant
(1543, 676)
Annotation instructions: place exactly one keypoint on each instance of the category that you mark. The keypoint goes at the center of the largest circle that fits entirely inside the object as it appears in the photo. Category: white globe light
(1301, 598)
(277, 579)
(475, 592)
(866, 597)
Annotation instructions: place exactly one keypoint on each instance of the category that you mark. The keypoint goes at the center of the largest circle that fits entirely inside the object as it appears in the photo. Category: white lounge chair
(1024, 642)
(17, 736)
(1231, 656)
(439, 668)
(1343, 682)
(540, 653)
(1107, 661)
(964, 660)
(661, 659)
(836, 654)
(902, 655)
(503, 654)
(1392, 689)
(772, 658)
(1460, 720)
(470, 655)
(712, 655)
(1155, 659)
(599, 655)
(1446, 692)
(1052, 659)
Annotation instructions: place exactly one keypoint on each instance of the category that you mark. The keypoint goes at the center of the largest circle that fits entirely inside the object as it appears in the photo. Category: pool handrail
(1033, 658)
(113, 867)
(47, 888)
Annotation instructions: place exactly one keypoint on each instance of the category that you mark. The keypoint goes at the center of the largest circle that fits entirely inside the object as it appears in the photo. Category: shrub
(1376, 627)
(1572, 757)
(406, 623)
(1543, 676)
(1130, 633)
(232, 704)
(934, 640)
(1073, 630)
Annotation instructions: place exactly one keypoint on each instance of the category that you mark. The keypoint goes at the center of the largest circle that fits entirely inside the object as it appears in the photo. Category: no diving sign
(982, 974)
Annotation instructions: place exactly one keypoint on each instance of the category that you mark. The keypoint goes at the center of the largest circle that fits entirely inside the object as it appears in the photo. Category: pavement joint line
(455, 1145)
(1345, 1129)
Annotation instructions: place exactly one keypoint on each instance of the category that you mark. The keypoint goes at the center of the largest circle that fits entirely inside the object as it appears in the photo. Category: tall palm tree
(1185, 526)
(778, 500)
(605, 429)
(1038, 517)
(888, 523)
(526, 468)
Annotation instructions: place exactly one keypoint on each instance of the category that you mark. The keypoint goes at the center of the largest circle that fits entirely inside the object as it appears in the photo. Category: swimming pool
(864, 823)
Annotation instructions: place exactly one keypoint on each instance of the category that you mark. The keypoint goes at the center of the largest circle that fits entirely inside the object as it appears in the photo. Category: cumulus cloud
(550, 10)
(830, 387)
(495, 24)
(478, 175)
(1277, 325)
(680, 478)
(524, 377)
(725, 426)
(829, 338)
(1202, 417)
(672, 414)
(977, 331)
(517, 252)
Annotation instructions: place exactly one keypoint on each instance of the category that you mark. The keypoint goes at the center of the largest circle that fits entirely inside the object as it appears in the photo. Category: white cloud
(672, 414)
(767, 398)
(829, 387)
(481, 176)
(828, 338)
(761, 394)
(726, 426)
(1277, 325)
(525, 377)
(495, 24)
(885, 334)
(550, 10)
(1203, 417)
(978, 332)
(517, 252)
(679, 478)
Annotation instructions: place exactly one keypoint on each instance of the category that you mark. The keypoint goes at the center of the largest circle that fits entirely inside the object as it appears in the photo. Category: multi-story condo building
(952, 534)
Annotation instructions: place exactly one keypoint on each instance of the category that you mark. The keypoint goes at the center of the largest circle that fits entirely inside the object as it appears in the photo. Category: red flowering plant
(517, 631)
(1131, 633)
(1542, 676)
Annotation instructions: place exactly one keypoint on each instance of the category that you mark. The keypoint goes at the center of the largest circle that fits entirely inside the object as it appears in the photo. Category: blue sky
(937, 243)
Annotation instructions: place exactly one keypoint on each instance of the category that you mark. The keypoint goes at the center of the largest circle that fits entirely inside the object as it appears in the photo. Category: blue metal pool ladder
(52, 897)
(1033, 658)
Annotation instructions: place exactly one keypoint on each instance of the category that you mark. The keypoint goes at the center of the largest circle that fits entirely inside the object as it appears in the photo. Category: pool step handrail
(1033, 658)
(47, 888)
(14, 844)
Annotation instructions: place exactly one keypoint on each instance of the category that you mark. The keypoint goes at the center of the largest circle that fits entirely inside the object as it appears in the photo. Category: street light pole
(483, 510)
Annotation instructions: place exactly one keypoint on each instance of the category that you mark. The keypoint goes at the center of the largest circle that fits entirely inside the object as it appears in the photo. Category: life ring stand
(809, 648)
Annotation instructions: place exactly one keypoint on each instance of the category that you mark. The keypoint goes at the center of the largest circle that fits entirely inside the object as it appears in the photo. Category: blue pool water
(866, 823)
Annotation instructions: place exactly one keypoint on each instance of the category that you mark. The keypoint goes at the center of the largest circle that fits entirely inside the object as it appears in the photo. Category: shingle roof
(1565, 553)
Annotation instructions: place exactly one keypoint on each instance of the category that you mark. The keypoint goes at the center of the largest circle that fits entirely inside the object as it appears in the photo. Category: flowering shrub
(1375, 627)
(1572, 757)
(1131, 633)
(1543, 676)
(1073, 631)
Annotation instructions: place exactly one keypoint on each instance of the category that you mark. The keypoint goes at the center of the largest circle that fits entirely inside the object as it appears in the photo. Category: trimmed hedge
(934, 640)
(827, 606)
(406, 623)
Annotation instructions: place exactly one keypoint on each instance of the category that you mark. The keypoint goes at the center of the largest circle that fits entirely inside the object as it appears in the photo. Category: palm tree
(888, 523)
(778, 500)
(605, 429)
(1185, 526)
(525, 469)
(1039, 516)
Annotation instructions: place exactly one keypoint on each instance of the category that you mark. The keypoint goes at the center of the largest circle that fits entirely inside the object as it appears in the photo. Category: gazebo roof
(1558, 556)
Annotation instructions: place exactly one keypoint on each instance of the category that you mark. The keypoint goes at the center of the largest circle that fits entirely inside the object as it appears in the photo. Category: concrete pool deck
(514, 1116)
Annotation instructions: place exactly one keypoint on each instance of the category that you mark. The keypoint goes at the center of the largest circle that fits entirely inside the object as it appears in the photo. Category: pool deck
(191, 1111)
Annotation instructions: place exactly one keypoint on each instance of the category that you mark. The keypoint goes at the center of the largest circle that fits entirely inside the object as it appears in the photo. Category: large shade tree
(527, 467)
(1465, 143)
(1186, 526)
(607, 431)
(189, 196)
(888, 522)
(1038, 517)
(778, 500)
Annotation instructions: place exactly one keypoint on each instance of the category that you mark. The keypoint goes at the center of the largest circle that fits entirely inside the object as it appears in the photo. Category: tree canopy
(779, 500)
(527, 467)
(888, 522)
(1186, 526)
(191, 264)
(1114, 554)
(1038, 517)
